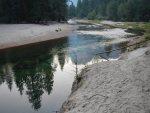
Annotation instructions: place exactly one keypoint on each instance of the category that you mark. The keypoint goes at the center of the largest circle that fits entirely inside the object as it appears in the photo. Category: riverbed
(37, 78)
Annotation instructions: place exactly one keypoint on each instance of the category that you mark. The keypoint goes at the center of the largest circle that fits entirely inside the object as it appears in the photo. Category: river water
(38, 78)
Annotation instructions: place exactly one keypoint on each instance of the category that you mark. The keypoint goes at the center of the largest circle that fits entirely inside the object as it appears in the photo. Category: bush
(137, 31)
(91, 15)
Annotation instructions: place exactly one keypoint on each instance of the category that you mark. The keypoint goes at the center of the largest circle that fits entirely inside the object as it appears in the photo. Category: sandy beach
(13, 35)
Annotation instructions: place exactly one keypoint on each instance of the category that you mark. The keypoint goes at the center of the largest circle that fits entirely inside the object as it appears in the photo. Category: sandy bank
(116, 35)
(121, 86)
(109, 33)
(20, 34)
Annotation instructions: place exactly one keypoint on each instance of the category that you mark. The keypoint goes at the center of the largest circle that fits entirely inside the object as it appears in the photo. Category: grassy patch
(139, 28)
(137, 31)
(95, 21)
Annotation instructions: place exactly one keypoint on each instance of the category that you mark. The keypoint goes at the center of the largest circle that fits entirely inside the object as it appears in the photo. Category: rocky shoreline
(114, 86)
(120, 86)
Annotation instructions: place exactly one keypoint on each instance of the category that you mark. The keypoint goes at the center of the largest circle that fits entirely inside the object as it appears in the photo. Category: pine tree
(125, 10)
(72, 11)
(15, 11)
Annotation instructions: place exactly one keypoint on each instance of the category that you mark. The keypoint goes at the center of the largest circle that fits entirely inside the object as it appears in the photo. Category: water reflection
(83, 48)
(33, 68)
(34, 73)
(6, 75)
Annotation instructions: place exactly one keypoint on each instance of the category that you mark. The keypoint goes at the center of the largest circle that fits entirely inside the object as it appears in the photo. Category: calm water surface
(38, 78)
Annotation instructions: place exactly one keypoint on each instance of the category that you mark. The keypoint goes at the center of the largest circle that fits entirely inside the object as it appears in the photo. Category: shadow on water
(33, 67)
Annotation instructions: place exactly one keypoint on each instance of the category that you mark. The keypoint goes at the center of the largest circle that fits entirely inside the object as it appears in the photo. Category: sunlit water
(38, 78)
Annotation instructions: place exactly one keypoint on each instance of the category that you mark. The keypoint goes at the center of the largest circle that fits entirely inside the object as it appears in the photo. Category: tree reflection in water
(32, 71)
(37, 76)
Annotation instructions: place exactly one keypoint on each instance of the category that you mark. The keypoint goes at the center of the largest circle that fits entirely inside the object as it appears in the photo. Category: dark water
(38, 78)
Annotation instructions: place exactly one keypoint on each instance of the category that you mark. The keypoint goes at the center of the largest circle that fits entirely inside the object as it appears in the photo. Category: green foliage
(112, 10)
(92, 15)
(15, 11)
(72, 11)
(138, 31)
(124, 10)
(147, 37)
(79, 8)
(139, 28)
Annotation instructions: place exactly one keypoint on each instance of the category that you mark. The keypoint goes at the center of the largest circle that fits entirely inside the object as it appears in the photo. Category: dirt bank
(121, 86)
(20, 34)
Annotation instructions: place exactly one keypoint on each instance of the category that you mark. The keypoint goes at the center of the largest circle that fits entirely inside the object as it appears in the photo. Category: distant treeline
(123, 10)
(16, 11)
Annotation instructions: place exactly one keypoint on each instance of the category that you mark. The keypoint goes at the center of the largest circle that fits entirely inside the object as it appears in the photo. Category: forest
(34, 11)
(117, 10)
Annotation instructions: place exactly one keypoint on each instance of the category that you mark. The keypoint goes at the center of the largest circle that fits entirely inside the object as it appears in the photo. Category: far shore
(13, 35)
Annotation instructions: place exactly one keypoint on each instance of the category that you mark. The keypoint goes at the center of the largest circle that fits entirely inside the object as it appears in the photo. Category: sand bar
(12, 35)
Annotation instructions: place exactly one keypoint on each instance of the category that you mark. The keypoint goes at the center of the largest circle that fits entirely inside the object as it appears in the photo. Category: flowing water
(38, 78)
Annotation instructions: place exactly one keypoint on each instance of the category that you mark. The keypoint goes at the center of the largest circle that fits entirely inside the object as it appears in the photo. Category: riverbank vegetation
(142, 28)
(21, 11)
(118, 10)
(139, 28)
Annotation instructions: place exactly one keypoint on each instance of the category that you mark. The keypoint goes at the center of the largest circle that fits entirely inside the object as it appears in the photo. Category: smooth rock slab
(121, 86)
